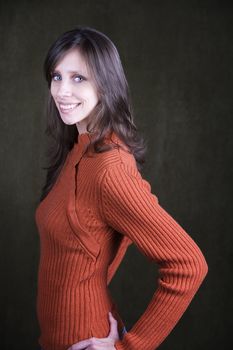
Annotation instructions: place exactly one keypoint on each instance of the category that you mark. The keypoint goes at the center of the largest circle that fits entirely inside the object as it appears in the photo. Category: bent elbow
(200, 269)
(203, 267)
(186, 276)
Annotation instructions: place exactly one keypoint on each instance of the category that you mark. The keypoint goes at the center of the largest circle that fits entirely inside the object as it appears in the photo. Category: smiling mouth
(68, 107)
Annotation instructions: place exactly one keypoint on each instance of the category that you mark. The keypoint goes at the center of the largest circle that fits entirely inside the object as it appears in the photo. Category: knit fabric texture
(98, 206)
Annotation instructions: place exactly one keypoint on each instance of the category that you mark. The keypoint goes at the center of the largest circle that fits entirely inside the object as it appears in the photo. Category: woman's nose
(64, 89)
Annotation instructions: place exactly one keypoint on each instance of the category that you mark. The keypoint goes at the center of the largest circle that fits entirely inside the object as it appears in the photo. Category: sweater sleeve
(129, 206)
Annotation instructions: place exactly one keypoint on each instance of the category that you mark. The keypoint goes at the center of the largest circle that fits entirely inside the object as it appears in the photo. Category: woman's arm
(128, 206)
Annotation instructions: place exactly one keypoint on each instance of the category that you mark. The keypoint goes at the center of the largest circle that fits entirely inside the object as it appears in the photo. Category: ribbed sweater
(98, 206)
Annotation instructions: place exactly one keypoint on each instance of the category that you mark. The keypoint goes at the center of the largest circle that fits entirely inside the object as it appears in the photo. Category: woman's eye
(78, 78)
(55, 76)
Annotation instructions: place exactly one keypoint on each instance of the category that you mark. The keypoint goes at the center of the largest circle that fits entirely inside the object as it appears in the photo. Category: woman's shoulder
(119, 154)
(98, 166)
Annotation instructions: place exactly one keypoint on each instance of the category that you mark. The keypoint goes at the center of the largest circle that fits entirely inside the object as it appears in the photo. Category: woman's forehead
(72, 61)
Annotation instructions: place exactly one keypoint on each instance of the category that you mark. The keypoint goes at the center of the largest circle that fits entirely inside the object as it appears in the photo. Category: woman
(95, 203)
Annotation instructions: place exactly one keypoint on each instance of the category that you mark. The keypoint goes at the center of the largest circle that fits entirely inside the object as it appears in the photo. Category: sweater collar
(85, 138)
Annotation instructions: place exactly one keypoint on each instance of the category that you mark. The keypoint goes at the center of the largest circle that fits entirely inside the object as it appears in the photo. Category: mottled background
(178, 59)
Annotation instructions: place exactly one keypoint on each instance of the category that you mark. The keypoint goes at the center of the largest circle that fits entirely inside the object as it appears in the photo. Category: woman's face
(73, 90)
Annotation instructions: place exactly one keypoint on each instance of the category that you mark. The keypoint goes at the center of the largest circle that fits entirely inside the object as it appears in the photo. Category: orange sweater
(86, 222)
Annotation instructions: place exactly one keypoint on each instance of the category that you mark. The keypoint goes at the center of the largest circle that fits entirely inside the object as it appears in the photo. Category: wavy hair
(113, 112)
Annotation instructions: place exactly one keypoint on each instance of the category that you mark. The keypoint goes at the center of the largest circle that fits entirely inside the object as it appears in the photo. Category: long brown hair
(112, 113)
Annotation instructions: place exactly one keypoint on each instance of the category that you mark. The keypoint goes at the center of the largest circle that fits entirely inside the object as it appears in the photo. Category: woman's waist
(57, 282)
(84, 311)
(69, 298)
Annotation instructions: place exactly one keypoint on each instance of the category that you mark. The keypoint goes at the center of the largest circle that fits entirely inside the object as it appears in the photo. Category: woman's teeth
(68, 107)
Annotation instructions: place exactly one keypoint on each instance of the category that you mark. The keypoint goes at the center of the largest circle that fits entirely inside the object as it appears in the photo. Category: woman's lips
(67, 108)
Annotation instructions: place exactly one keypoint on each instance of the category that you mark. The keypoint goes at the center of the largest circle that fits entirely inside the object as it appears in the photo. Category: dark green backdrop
(178, 58)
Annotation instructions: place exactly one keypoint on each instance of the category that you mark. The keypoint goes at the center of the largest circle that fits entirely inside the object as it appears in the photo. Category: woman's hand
(100, 343)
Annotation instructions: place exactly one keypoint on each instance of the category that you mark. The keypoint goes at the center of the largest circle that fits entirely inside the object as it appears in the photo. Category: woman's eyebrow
(70, 71)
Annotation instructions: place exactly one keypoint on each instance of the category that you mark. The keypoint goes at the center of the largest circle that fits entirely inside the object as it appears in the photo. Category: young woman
(95, 203)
